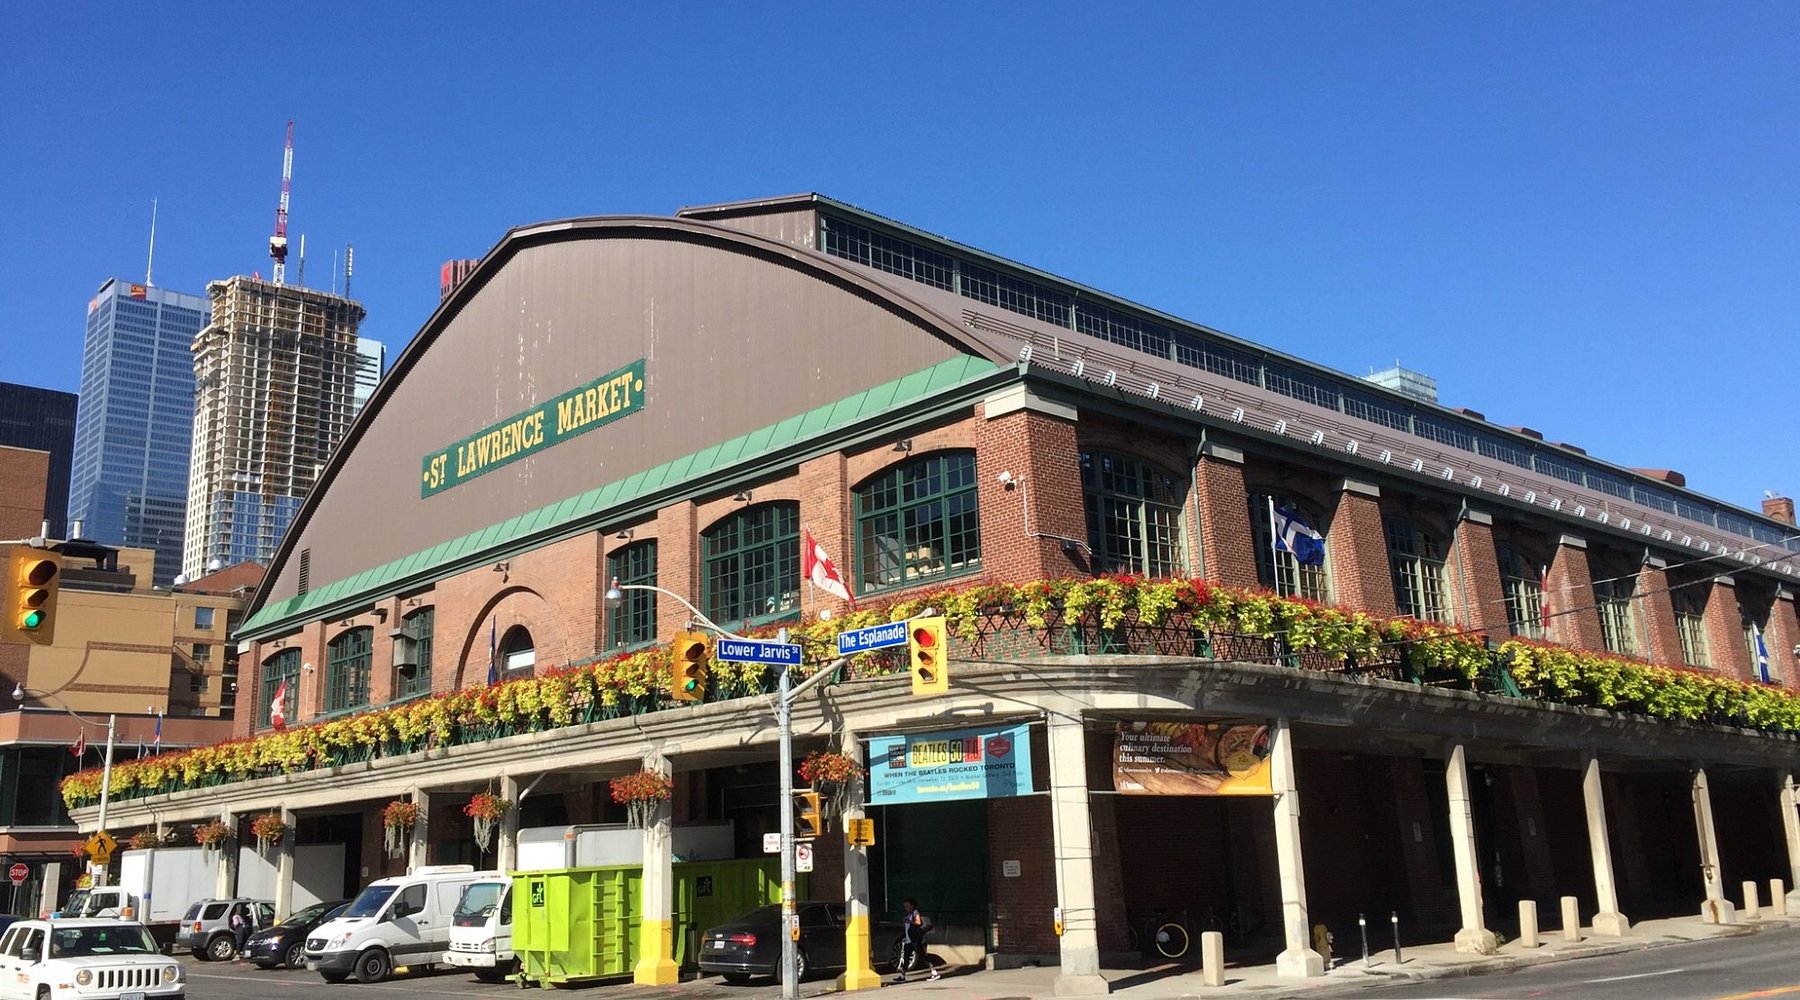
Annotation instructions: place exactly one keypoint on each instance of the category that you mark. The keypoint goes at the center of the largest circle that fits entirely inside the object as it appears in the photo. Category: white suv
(85, 960)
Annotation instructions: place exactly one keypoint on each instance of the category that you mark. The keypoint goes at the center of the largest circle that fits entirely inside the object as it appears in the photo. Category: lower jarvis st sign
(611, 396)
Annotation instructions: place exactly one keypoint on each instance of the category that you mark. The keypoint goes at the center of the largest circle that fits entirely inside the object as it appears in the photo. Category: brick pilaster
(677, 564)
(1042, 499)
(1781, 636)
(1574, 621)
(1477, 599)
(1356, 551)
(825, 504)
(1227, 541)
(1655, 611)
(1725, 630)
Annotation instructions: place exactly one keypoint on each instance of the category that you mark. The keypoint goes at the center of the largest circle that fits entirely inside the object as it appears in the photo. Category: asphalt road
(1734, 968)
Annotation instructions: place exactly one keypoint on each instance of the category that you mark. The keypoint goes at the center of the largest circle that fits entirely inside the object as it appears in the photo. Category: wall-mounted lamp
(278, 643)
(347, 622)
(743, 496)
(306, 668)
(413, 602)
(381, 614)
(904, 445)
(1006, 479)
(626, 534)
(501, 567)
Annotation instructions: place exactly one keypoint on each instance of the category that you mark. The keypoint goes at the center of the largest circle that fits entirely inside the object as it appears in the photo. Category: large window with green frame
(1523, 584)
(1416, 562)
(416, 629)
(632, 621)
(917, 521)
(751, 564)
(283, 666)
(1689, 602)
(347, 670)
(1279, 570)
(1618, 627)
(1133, 515)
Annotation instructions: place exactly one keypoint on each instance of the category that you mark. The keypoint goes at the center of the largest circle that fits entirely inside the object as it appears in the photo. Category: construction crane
(278, 241)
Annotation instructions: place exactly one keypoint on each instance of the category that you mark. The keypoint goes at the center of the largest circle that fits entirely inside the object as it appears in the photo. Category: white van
(402, 920)
(481, 930)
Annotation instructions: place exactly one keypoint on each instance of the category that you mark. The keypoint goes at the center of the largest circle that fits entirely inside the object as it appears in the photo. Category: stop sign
(18, 873)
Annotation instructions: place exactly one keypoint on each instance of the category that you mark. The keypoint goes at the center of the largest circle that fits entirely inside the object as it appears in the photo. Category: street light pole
(112, 724)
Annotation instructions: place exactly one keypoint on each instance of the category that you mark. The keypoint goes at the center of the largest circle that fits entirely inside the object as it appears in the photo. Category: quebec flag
(1762, 656)
(1293, 534)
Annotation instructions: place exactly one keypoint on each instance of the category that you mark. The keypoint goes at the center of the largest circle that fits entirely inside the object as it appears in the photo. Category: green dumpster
(577, 924)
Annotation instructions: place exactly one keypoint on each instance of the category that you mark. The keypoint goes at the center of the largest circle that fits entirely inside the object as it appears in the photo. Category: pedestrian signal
(928, 644)
(689, 653)
(809, 824)
(33, 577)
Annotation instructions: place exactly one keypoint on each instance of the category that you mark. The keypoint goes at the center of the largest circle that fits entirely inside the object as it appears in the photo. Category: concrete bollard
(1777, 898)
(1212, 958)
(1571, 908)
(1752, 905)
(1528, 927)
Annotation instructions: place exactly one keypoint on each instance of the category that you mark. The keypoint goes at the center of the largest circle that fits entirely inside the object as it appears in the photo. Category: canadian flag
(278, 706)
(80, 747)
(817, 567)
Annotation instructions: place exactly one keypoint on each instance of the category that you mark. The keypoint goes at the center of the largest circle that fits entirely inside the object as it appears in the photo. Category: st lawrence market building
(1189, 584)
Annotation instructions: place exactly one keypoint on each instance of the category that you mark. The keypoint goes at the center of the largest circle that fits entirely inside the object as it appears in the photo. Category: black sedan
(751, 945)
(285, 943)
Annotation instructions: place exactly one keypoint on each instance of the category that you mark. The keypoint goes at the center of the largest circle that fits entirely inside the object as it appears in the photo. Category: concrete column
(656, 934)
(1607, 918)
(858, 973)
(506, 853)
(1717, 909)
(284, 866)
(226, 886)
(1298, 957)
(418, 853)
(1073, 849)
(48, 889)
(1790, 825)
(1473, 937)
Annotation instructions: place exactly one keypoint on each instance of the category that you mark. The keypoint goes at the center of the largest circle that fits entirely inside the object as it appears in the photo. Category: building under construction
(275, 379)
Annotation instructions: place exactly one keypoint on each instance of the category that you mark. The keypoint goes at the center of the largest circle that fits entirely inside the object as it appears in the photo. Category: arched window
(1133, 515)
(1618, 626)
(633, 620)
(1279, 569)
(414, 678)
(1416, 562)
(517, 655)
(1523, 583)
(1689, 601)
(918, 520)
(283, 666)
(347, 673)
(752, 563)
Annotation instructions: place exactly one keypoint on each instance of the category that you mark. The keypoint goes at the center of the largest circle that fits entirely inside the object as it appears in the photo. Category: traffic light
(689, 652)
(928, 643)
(33, 577)
(809, 824)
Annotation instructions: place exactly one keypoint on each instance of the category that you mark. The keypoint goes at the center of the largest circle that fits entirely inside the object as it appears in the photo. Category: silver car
(206, 930)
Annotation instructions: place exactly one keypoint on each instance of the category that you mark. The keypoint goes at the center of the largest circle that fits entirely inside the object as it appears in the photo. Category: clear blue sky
(1584, 217)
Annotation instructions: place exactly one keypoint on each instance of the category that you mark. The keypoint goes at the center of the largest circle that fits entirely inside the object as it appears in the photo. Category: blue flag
(493, 664)
(1293, 534)
(156, 743)
(1762, 655)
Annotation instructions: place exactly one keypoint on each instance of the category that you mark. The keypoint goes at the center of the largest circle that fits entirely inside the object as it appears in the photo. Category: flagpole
(1274, 547)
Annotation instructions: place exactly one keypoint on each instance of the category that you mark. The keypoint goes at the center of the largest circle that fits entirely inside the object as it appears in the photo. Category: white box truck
(155, 887)
(548, 848)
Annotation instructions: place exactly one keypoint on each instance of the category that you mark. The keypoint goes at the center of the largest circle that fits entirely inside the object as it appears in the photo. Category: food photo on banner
(1192, 758)
(986, 763)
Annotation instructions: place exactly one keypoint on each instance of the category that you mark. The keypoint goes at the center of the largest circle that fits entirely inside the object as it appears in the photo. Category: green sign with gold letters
(611, 396)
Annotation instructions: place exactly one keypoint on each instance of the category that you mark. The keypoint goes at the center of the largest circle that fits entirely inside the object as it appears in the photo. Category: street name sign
(861, 640)
(786, 654)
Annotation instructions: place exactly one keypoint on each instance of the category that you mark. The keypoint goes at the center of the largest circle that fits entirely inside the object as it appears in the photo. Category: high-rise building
(371, 362)
(276, 375)
(452, 274)
(129, 481)
(43, 420)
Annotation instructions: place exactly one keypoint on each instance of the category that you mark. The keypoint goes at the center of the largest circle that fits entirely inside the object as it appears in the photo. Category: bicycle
(1171, 938)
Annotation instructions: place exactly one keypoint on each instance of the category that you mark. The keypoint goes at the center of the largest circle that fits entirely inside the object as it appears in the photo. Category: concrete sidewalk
(1431, 961)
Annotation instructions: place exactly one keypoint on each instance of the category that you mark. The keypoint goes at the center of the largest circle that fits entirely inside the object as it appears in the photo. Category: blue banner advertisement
(942, 766)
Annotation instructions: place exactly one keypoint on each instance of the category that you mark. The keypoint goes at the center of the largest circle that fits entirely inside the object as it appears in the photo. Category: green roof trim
(565, 517)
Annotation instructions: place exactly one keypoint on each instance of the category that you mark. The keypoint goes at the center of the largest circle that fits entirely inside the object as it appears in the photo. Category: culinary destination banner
(1192, 758)
(611, 396)
(939, 767)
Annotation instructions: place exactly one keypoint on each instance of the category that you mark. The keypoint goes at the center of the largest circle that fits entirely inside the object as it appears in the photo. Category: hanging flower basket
(642, 792)
(143, 840)
(835, 776)
(212, 835)
(486, 809)
(268, 829)
(79, 850)
(397, 821)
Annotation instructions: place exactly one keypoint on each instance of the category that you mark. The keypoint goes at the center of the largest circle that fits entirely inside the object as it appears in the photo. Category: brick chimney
(1779, 508)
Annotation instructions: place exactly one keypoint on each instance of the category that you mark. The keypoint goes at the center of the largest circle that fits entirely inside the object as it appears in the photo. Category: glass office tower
(135, 426)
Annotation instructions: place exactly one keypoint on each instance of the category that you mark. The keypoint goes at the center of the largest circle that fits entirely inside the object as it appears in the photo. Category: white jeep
(85, 960)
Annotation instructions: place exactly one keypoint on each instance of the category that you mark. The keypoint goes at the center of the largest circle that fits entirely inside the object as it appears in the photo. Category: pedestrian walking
(914, 925)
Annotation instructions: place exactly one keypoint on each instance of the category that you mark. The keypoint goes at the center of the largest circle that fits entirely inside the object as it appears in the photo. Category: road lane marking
(1775, 992)
(410, 986)
(1641, 975)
